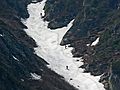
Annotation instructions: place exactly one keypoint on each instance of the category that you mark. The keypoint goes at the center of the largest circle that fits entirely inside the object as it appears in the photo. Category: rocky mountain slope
(93, 19)
(20, 67)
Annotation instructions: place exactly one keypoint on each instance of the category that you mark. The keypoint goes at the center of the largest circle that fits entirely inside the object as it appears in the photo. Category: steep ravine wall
(93, 19)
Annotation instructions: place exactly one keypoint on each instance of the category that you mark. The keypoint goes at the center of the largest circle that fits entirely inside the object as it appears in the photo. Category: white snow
(1, 35)
(22, 80)
(95, 42)
(15, 58)
(34, 1)
(35, 76)
(59, 58)
(87, 44)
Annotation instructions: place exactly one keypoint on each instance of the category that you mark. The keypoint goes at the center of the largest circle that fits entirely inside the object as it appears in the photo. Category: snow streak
(59, 58)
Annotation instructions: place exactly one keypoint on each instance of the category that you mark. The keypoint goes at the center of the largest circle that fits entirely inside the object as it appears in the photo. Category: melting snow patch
(22, 80)
(34, 1)
(59, 58)
(95, 42)
(41, 69)
(67, 46)
(1, 35)
(15, 58)
(87, 44)
(35, 76)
